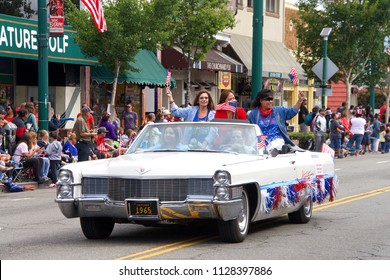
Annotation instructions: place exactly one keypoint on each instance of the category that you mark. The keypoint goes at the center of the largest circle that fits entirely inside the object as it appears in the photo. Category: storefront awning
(151, 72)
(276, 58)
(215, 61)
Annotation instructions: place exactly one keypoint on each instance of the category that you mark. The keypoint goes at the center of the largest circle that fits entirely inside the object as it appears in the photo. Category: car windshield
(197, 136)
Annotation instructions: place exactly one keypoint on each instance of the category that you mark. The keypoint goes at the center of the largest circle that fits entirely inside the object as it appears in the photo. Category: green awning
(151, 72)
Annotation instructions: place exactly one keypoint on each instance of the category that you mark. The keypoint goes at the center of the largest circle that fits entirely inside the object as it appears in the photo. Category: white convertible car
(181, 172)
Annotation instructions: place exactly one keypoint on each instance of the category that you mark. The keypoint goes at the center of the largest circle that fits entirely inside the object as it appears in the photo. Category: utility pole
(257, 48)
(43, 66)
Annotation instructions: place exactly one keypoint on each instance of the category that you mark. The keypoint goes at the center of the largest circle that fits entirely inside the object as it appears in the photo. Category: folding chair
(21, 173)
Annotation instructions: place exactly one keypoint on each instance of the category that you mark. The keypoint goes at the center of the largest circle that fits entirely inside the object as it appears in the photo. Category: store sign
(275, 75)
(19, 39)
(218, 66)
(273, 84)
(224, 79)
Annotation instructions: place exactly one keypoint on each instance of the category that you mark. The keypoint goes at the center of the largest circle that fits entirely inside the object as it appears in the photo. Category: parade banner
(56, 17)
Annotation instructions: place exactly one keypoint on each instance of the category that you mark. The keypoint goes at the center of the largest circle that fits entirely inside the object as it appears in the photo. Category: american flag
(328, 150)
(121, 143)
(168, 81)
(228, 106)
(96, 9)
(102, 148)
(294, 76)
(261, 141)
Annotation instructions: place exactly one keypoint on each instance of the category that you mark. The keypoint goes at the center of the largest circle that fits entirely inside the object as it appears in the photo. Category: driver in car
(237, 143)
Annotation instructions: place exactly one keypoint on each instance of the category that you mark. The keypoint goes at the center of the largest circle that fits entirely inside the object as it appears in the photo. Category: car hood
(161, 164)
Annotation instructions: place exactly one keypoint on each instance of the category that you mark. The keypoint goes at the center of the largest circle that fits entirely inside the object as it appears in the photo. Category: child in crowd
(53, 152)
(366, 137)
(387, 141)
(382, 139)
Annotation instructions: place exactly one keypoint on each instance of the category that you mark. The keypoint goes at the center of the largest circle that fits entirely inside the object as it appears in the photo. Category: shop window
(6, 65)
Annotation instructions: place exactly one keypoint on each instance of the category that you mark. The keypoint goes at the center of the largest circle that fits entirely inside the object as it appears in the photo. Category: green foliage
(364, 98)
(358, 31)
(355, 35)
(122, 40)
(302, 137)
(191, 25)
(17, 8)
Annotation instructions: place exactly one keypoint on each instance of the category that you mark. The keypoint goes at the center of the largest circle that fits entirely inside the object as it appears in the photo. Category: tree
(17, 8)
(191, 25)
(118, 46)
(358, 30)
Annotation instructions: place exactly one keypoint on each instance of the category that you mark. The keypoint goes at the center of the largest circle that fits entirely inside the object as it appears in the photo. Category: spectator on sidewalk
(319, 130)
(387, 141)
(90, 120)
(11, 113)
(21, 127)
(31, 120)
(357, 128)
(303, 112)
(54, 152)
(366, 137)
(376, 128)
(335, 134)
(70, 148)
(25, 153)
(129, 118)
(104, 122)
(84, 135)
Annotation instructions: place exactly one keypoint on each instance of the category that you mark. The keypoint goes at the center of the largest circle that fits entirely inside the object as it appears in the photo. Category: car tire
(303, 215)
(236, 230)
(97, 228)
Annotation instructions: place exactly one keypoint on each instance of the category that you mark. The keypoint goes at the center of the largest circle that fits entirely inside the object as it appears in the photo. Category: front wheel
(97, 228)
(236, 230)
(303, 215)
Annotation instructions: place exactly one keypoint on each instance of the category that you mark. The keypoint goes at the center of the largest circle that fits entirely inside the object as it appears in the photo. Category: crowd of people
(352, 131)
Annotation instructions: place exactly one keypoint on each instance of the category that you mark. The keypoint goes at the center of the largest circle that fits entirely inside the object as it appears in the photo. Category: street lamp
(324, 34)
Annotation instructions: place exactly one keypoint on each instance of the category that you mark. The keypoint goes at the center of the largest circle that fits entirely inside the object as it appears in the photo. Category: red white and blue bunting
(286, 194)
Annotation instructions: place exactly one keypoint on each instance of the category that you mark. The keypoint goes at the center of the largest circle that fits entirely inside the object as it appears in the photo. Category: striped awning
(276, 57)
(214, 61)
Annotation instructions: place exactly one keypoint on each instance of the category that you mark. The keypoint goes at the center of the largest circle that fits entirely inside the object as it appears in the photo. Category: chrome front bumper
(194, 207)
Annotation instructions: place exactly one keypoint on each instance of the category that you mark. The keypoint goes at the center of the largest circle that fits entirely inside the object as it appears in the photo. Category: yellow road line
(162, 249)
(204, 238)
(351, 198)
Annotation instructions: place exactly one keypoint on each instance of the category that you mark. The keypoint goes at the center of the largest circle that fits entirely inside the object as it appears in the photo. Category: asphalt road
(353, 227)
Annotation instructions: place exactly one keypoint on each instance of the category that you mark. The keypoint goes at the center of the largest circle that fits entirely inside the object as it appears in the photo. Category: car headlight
(65, 176)
(222, 177)
(65, 191)
(222, 193)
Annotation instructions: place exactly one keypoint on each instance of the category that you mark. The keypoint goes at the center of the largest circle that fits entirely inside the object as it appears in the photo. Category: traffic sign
(327, 91)
(331, 68)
